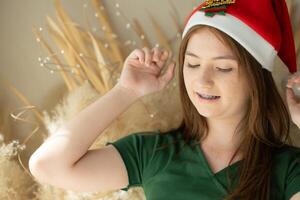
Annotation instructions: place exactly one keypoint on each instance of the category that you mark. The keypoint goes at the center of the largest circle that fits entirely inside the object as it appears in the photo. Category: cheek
(232, 86)
(237, 92)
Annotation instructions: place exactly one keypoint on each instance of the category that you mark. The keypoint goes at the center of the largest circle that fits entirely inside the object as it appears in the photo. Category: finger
(165, 78)
(297, 79)
(148, 56)
(156, 54)
(163, 58)
(293, 77)
(137, 54)
(153, 66)
(291, 97)
(291, 81)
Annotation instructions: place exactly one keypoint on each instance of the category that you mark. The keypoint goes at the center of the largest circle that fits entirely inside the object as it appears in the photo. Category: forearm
(73, 139)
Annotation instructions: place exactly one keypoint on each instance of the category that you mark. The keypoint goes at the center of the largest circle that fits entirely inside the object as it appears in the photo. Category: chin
(207, 113)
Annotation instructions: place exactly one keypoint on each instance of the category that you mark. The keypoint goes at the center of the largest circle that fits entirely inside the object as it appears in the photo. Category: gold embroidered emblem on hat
(215, 3)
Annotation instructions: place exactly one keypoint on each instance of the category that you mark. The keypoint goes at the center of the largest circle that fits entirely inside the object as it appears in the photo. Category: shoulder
(287, 153)
(286, 158)
(148, 140)
(160, 143)
(287, 169)
(158, 136)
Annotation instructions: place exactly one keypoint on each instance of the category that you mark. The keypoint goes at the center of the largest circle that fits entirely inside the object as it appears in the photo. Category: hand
(292, 100)
(142, 71)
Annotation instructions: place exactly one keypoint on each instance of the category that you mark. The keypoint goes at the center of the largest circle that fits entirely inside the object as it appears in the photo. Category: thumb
(165, 79)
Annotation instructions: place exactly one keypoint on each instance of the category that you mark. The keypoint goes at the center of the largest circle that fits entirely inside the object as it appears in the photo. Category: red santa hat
(262, 27)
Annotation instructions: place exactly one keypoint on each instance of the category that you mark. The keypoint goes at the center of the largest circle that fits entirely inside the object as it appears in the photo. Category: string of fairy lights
(46, 61)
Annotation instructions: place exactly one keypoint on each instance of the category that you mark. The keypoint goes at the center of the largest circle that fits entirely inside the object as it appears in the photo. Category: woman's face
(212, 70)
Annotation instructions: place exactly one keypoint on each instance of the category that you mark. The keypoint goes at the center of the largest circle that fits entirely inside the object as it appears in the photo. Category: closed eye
(220, 69)
(224, 70)
(192, 66)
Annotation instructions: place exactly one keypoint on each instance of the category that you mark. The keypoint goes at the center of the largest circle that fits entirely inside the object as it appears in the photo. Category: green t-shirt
(164, 176)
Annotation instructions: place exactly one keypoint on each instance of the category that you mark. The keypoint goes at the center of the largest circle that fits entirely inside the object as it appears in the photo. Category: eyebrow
(228, 57)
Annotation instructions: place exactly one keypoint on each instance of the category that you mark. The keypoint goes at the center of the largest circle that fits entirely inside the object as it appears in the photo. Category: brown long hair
(265, 127)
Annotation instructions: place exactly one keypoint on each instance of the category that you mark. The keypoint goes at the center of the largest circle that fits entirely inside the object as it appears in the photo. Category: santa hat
(262, 27)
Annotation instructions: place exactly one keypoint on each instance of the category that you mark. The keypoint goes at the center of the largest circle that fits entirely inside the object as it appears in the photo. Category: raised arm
(64, 160)
(54, 161)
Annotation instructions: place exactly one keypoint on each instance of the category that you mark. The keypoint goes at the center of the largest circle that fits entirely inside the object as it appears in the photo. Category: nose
(205, 77)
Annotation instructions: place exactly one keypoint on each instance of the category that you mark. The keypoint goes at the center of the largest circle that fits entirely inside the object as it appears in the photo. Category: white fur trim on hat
(256, 45)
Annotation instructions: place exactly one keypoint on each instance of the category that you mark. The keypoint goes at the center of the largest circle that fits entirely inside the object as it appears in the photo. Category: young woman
(233, 142)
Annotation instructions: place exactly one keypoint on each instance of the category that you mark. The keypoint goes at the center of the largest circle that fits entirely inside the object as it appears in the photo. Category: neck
(222, 134)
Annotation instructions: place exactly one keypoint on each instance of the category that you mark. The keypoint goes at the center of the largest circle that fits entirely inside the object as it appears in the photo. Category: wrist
(127, 91)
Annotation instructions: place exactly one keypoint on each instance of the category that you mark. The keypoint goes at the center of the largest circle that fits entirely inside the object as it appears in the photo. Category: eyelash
(220, 69)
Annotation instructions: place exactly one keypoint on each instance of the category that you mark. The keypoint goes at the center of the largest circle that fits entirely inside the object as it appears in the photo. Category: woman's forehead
(219, 57)
(205, 43)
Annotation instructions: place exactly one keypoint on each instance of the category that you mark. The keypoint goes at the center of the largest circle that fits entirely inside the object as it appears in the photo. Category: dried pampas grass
(15, 183)
(47, 192)
(70, 105)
